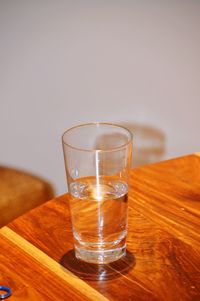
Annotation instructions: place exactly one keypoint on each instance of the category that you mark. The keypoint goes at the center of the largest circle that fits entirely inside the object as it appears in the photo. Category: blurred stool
(20, 192)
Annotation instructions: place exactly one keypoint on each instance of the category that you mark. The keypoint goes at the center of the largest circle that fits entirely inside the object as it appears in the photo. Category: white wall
(67, 62)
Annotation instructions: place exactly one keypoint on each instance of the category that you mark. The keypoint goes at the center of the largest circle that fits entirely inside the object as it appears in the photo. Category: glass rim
(98, 150)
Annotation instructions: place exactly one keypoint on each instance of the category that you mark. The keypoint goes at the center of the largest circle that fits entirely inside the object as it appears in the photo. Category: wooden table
(163, 259)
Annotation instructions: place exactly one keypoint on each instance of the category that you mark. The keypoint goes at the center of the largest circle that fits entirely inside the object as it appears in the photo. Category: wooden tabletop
(163, 260)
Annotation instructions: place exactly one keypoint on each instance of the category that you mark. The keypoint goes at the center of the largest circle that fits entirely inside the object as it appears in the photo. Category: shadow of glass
(97, 272)
(148, 144)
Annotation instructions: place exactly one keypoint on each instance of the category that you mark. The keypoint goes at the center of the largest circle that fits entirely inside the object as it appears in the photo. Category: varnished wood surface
(163, 258)
(33, 275)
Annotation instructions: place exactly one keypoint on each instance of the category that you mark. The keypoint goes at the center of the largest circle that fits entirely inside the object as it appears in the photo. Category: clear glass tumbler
(97, 160)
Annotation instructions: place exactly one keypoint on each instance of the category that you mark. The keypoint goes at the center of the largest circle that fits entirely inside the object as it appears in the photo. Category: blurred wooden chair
(20, 192)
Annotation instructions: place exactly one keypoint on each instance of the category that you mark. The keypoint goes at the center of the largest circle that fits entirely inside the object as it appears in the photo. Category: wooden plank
(47, 262)
(52, 234)
(163, 257)
(151, 263)
(169, 194)
(29, 279)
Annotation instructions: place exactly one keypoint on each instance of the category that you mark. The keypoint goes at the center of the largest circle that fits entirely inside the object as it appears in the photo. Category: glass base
(100, 256)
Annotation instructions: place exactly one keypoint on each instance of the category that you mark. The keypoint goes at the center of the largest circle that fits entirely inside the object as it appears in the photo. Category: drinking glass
(97, 161)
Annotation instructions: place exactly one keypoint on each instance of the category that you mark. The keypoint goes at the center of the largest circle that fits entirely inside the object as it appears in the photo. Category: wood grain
(30, 280)
(171, 192)
(46, 263)
(163, 257)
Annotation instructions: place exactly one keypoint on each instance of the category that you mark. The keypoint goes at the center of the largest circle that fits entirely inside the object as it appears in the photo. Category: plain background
(68, 62)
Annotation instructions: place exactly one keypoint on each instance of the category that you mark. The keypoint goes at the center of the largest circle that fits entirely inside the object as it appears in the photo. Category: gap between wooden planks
(52, 265)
